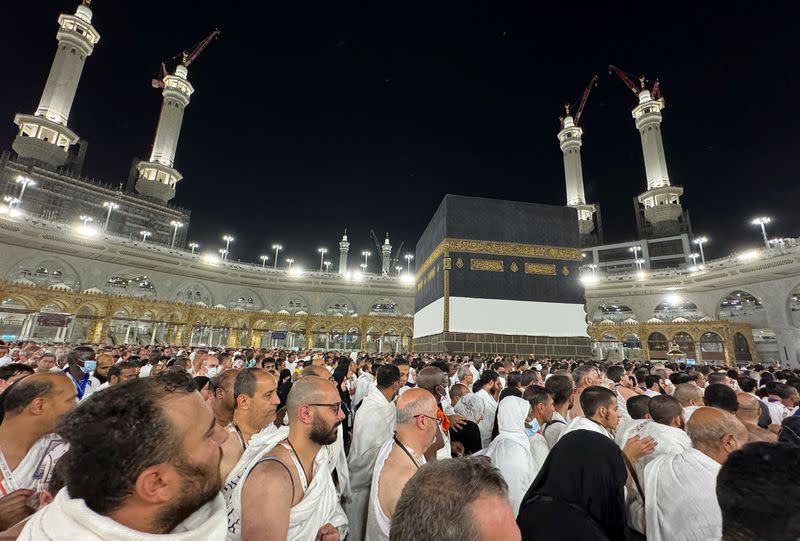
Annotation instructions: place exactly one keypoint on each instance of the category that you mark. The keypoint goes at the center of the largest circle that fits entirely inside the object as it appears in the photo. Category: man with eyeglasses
(400, 458)
(287, 491)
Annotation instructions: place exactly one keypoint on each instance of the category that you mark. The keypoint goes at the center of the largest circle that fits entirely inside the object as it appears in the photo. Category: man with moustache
(143, 463)
(287, 491)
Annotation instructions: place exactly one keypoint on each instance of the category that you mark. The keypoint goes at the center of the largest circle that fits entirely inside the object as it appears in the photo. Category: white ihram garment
(510, 451)
(373, 425)
(68, 519)
(487, 423)
(582, 423)
(363, 383)
(688, 411)
(681, 498)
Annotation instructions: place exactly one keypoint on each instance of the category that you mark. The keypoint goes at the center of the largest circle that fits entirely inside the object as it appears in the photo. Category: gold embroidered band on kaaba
(483, 247)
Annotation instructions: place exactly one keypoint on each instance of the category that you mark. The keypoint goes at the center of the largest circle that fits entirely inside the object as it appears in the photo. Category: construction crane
(627, 78)
(584, 98)
(187, 57)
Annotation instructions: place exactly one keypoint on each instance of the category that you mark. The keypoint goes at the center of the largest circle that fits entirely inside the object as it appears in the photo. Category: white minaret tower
(569, 139)
(44, 135)
(344, 247)
(158, 177)
(661, 201)
(386, 252)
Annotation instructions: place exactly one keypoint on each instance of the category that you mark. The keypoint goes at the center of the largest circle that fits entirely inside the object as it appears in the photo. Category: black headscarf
(584, 476)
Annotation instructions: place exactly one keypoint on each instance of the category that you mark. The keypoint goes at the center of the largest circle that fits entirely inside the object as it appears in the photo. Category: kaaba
(500, 277)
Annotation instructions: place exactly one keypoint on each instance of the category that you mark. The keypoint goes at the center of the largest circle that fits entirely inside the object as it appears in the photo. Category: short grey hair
(441, 490)
(420, 406)
(580, 374)
(461, 375)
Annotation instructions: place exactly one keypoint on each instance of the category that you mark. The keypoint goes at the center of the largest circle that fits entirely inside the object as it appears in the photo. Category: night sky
(307, 120)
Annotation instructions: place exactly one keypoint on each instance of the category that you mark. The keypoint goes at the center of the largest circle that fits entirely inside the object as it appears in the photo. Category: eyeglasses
(336, 407)
(438, 421)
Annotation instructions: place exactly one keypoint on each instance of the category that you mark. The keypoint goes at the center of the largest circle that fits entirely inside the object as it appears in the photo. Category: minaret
(662, 206)
(44, 136)
(344, 247)
(386, 252)
(570, 141)
(158, 177)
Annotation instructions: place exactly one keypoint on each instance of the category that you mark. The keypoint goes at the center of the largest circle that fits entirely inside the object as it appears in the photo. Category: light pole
(762, 221)
(175, 224)
(327, 266)
(24, 182)
(778, 243)
(263, 260)
(594, 269)
(110, 206)
(639, 263)
(144, 233)
(694, 257)
(12, 201)
(635, 250)
(277, 248)
(399, 269)
(408, 257)
(223, 253)
(86, 219)
(194, 246)
(227, 239)
(289, 260)
(700, 241)
(322, 252)
(366, 254)
(363, 267)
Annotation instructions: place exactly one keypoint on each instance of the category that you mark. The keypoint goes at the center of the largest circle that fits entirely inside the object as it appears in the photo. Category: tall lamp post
(327, 266)
(24, 182)
(399, 269)
(700, 241)
(409, 257)
(289, 260)
(194, 246)
(110, 206)
(263, 260)
(227, 239)
(86, 219)
(762, 221)
(694, 257)
(366, 254)
(635, 250)
(176, 225)
(277, 248)
(322, 252)
(144, 233)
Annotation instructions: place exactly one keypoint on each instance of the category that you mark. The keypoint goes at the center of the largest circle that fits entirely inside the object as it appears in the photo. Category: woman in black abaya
(579, 492)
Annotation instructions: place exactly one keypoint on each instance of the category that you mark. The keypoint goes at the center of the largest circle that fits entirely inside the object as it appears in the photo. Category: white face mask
(211, 371)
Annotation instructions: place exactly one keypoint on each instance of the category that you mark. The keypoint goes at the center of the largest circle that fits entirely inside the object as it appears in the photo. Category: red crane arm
(625, 79)
(190, 55)
(584, 98)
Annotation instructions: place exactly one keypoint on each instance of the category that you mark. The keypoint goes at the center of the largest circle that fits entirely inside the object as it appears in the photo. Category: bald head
(310, 390)
(688, 395)
(415, 402)
(428, 378)
(318, 371)
(749, 408)
(716, 432)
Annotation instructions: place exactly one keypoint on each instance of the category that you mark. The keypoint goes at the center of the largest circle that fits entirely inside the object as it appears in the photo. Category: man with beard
(152, 447)
(289, 492)
(255, 402)
(104, 362)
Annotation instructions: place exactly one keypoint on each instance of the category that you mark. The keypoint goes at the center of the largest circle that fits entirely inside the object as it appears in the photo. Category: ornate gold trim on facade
(446, 277)
(488, 265)
(499, 248)
(460, 263)
(547, 269)
(514, 267)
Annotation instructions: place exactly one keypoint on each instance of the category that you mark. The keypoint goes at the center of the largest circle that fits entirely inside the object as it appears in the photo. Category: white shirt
(487, 423)
(552, 431)
(5, 360)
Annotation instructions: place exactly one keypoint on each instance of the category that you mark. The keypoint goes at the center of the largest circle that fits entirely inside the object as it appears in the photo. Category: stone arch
(244, 298)
(129, 282)
(18, 302)
(741, 348)
(192, 293)
(613, 311)
(674, 306)
(339, 305)
(742, 306)
(292, 302)
(658, 345)
(712, 347)
(46, 270)
(793, 306)
(686, 343)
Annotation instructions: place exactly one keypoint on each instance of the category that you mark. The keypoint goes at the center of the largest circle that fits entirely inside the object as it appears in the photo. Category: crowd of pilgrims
(136, 443)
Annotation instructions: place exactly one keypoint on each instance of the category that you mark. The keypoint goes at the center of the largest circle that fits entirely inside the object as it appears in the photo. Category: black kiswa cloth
(579, 492)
